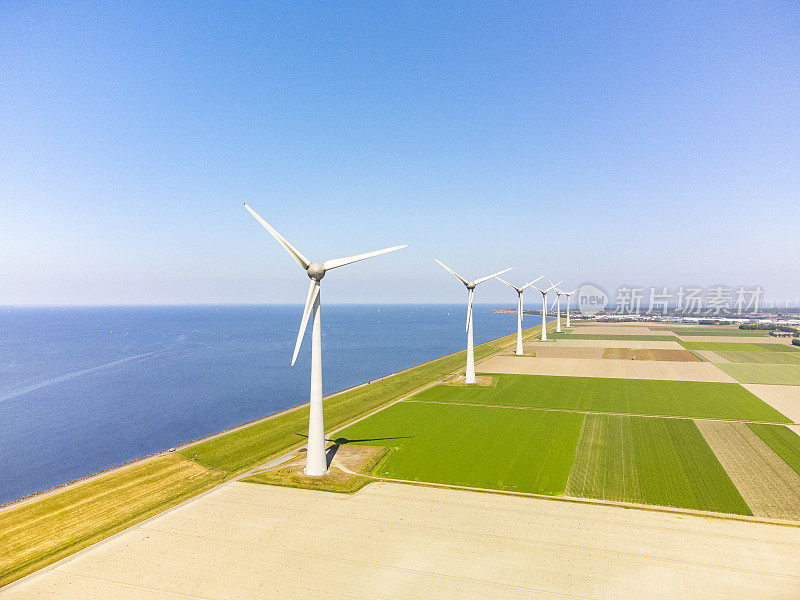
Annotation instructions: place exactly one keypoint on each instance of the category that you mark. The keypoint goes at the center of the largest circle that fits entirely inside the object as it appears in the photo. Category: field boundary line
(592, 501)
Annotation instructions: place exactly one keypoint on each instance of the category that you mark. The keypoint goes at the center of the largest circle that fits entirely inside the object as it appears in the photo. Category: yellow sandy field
(399, 541)
(783, 398)
(712, 356)
(623, 369)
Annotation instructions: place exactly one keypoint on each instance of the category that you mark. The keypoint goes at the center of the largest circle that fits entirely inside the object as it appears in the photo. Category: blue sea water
(84, 389)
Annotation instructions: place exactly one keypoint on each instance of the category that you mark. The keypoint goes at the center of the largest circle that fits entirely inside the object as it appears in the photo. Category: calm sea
(84, 389)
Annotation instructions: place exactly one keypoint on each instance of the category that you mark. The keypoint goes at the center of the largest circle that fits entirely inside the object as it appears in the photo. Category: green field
(665, 462)
(692, 331)
(475, 446)
(629, 396)
(762, 358)
(596, 336)
(784, 441)
(763, 373)
(737, 347)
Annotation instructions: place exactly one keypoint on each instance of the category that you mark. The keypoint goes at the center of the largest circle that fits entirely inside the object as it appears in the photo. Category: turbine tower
(568, 294)
(520, 291)
(557, 303)
(316, 462)
(544, 308)
(470, 285)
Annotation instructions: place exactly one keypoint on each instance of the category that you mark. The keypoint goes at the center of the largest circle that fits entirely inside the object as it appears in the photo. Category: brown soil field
(770, 487)
(393, 541)
(648, 354)
(558, 351)
(621, 369)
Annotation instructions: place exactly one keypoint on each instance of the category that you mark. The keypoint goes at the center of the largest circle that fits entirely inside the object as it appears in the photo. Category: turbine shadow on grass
(341, 441)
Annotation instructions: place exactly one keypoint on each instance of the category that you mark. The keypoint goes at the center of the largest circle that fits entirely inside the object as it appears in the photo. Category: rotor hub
(471, 285)
(315, 271)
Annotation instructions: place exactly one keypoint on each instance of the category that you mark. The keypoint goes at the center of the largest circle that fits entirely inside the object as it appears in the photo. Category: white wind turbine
(544, 308)
(557, 302)
(470, 285)
(520, 291)
(316, 462)
(568, 294)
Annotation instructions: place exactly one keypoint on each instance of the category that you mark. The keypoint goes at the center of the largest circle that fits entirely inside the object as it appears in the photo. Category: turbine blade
(488, 277)
(518, 290)
(313, 290)
(554, 285)
(294, 252)
(340, 262)
(552, 306)
(453, 273)
(469, 309)
(531, 282)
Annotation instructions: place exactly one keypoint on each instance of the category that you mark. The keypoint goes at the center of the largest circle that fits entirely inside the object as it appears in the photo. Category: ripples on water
(84, 389)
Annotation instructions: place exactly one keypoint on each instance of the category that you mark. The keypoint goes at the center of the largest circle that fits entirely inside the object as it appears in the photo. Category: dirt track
(399, 541)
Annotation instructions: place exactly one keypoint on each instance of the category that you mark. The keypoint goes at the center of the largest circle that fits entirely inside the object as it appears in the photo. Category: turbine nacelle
(316, 271)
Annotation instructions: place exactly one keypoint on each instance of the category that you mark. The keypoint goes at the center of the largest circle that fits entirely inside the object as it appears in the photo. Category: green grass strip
(769, 374)
(697, 331)
(737, 347)
(627, 396)
(763, 358)
(784, 441)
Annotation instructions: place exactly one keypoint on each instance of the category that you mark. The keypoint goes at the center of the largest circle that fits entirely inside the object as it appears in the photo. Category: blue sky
(620, 143)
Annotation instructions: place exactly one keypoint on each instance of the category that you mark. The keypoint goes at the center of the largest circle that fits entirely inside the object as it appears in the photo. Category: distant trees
(770, 327)
(796, 342)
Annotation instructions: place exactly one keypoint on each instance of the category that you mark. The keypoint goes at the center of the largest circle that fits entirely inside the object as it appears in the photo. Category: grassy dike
(44, 530)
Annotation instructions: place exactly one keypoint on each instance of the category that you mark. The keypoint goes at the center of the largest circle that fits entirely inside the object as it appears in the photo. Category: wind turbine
(544, 308)
(568, 294)
(557, 302)
(316, 462)
(520, 291)
(470, 285)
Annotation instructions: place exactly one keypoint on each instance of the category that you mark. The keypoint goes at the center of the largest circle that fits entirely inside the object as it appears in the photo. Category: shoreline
(44, 528)
(182, 446)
